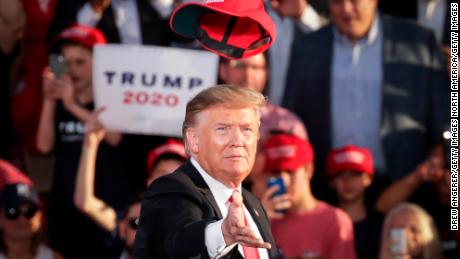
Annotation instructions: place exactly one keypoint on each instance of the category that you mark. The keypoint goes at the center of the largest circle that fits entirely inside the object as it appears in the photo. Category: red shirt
(325, 232)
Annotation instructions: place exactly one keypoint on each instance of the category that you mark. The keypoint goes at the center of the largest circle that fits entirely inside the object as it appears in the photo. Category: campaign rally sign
(145, 88)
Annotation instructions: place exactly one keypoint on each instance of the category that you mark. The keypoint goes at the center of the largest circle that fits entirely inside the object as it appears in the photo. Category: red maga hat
(350, 158)
(10, 174)
(230, 28)
(80, 34)
(171, 146)
(284, 152)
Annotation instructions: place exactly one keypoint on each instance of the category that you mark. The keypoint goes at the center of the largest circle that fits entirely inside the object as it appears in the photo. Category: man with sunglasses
(20, 222)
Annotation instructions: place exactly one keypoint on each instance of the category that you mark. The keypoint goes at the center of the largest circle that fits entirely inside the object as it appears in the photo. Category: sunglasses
(14, 212)
(133, 223)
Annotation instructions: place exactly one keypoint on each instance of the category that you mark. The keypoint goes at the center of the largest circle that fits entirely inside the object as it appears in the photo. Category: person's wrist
(69, 104)
(91, 141)
(49, 100)
(416, 178)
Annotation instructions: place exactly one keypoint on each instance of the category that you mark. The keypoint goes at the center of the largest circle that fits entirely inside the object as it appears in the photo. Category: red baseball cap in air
(80, 34)
(284, 152)
(350, 158)
(171, 146)
(230, 28)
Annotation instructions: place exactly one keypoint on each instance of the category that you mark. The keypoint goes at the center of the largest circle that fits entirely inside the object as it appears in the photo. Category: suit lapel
(258, 215)
(195, 176)
(388, 53)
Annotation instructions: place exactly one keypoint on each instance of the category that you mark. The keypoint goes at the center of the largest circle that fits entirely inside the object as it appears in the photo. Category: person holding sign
(67, 105)
(201, 210)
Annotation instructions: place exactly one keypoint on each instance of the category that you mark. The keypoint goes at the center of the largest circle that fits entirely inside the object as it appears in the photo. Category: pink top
(325, 232)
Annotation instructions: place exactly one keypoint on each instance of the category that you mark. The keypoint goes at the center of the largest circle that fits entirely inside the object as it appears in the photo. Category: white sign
(145, 89)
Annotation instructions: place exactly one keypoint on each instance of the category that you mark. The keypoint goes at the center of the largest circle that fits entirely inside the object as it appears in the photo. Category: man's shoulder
(404, 29)
(178, 182)
(321, 36)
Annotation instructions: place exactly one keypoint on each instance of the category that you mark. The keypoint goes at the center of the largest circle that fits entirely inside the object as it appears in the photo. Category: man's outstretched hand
(234, 229)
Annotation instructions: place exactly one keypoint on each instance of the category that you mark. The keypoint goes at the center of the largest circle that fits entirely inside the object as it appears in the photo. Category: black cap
(16, 194)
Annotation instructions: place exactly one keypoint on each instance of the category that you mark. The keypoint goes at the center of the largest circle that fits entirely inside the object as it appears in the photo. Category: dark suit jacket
(415, 92)
(175, 212)
(154, 29)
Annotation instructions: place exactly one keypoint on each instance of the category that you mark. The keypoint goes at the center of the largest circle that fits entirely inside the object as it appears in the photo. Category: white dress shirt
(214, 238)
(126, 17)
(356, 92)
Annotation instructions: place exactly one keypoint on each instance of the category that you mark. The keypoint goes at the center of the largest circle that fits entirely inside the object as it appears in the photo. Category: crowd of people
(352, 133)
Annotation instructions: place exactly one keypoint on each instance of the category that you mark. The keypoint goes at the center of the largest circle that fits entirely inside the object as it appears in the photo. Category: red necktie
(248, 251)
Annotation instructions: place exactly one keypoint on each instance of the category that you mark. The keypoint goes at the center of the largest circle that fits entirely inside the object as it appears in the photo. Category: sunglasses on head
(14, 212)
(133, 223)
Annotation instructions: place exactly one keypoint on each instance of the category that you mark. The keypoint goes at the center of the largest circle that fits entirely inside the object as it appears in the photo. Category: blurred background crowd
(359, 87)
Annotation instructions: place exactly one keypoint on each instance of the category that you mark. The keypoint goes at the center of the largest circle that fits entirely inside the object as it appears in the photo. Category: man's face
(296, 183)
(224, 142)
(350, 186)
(79, 65)
(20, 227)
(250, 72)
(353, 18)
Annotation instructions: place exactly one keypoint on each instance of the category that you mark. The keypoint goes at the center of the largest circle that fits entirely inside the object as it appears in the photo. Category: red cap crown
(81, 34)
(350, 158)
(284, 152)
(171, 146)
(9, 174)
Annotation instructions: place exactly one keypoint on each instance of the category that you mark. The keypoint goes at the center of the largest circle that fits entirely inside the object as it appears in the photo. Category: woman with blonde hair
(409, 232)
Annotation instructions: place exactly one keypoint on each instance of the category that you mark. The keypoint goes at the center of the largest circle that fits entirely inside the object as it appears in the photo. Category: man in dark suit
(201, 210)
(374, 81)
(127, 21)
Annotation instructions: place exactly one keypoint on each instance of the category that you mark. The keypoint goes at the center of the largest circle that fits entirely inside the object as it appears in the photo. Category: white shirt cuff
(86, 15)
(164, 7)
(214, 240)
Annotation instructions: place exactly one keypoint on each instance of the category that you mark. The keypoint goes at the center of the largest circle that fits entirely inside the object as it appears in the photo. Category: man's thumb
(236, 211)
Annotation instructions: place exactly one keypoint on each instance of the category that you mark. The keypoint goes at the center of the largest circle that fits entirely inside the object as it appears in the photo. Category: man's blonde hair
(229, 96)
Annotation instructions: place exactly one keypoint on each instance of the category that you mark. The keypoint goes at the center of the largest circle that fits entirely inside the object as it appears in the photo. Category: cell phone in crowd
(57, 64)
(277, 181)
(281, 188)
(399, 241)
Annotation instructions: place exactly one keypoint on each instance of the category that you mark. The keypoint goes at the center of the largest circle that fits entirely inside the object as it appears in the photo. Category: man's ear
(331, 182)
(310, 168)
(192, 139)
(122, 229)
(223, 70)
(367, 180)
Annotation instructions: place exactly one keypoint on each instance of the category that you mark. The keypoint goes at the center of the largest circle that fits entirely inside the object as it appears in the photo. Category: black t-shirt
(71, 232)
(367, 235)
(427, 197)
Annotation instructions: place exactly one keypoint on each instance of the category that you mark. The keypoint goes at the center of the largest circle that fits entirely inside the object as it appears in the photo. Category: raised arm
(400, 191)
(45, 131)
(84, 197)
